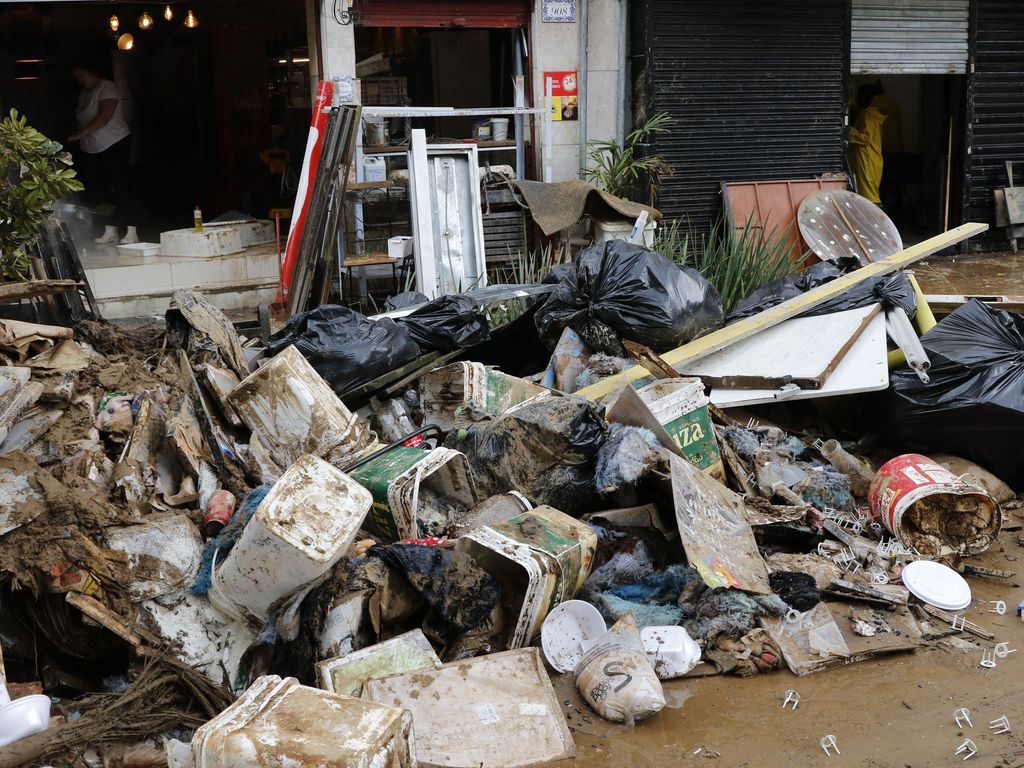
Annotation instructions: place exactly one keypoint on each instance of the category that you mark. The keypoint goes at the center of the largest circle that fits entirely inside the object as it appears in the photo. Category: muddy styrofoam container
(279, 723)
(165, 552)
(406, 653)
(146, 250)
(671, 650)
(499, 711)
(297, 534)
(220, 241)
(293, 411)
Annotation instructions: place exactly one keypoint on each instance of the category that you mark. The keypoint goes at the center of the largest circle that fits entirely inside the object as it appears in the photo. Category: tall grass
(735, 261)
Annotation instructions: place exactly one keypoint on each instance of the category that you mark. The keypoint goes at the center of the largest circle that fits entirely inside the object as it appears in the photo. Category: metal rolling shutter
(441, 13)
(756, 90)
(996, 131)
(909, 36)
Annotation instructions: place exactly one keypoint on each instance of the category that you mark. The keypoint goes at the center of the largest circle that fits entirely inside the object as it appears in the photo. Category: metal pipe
(623, 117)
(520, 102)
(581, 85)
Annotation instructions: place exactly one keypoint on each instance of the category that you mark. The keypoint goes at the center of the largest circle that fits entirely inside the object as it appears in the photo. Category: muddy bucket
(929, 508)
(294, 412)
(541, 558)
(297, 534)
(278, 722)
(681, 407)
(447, 391)
(416, 493)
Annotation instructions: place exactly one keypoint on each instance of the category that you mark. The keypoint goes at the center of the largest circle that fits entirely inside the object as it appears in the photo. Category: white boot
(109, 236)
(131, 236)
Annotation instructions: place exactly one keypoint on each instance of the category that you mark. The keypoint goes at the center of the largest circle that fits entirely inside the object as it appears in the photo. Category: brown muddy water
(894, 712)
(997, 274)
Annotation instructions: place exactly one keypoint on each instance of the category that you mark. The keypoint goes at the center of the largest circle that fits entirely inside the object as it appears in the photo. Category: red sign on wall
(564, 98)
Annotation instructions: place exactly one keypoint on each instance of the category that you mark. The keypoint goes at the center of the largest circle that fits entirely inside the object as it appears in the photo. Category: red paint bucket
(927, 507)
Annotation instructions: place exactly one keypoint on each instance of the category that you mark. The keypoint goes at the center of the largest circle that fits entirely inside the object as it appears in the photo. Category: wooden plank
(781, 356)
(33, 288)
(743, 329)
(943, 304)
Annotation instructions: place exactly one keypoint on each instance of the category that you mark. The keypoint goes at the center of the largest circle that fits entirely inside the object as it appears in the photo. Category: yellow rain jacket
(866, 152)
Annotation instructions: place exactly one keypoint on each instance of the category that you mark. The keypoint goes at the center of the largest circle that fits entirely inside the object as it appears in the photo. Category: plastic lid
(937, 584)
(568, 632)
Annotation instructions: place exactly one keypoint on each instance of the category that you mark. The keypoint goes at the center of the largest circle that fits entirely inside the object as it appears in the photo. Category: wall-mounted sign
(563, 11)
(565, 104)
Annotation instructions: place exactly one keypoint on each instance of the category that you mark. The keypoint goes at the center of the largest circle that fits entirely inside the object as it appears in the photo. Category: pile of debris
(239, 568)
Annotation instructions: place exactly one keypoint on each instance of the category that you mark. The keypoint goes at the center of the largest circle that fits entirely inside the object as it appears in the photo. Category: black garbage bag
(547, 450)
(892, 291)
(446, 324)
(974, 404)
(461, 595)
(404, 300)
(345, 347)
(636, 293)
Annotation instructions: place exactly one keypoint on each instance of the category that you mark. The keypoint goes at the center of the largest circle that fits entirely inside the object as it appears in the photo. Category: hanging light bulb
(168, 13)
(125, 42)
(190, 20)
(145, 20)
(114, 23)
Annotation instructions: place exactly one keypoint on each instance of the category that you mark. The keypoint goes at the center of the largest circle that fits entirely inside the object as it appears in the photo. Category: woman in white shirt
(105, 141)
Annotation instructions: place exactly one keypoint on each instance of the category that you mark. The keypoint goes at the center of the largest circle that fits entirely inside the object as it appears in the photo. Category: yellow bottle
(198, 216)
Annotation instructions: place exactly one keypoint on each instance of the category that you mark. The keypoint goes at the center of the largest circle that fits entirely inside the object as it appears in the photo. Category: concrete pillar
(556, 47)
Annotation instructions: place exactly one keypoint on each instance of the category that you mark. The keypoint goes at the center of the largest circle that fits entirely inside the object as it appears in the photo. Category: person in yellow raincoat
(865, 152)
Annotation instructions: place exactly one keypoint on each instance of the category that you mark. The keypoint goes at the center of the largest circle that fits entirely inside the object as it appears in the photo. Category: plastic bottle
(197, 215)
(860, 476)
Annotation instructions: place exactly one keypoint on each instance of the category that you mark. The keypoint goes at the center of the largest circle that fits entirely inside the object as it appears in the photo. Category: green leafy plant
(735, 261)
(34, 172)
(619, 170)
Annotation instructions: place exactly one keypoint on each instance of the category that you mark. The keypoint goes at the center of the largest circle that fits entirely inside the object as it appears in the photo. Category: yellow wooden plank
(742, 329)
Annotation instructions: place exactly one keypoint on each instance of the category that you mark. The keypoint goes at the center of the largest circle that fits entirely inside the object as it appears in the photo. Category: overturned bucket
(927, 507)
(297, 533)
(417, 493)
(540, 558)
(294, 412)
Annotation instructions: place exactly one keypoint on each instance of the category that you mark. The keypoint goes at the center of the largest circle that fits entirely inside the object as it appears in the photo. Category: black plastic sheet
(892, 291)
(346, 348)
(636, 293)
(974, 405)
(404, 300)
(447, 323)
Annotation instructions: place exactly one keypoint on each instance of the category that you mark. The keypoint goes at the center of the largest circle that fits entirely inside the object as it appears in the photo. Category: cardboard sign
(716, 536)
(564, 95)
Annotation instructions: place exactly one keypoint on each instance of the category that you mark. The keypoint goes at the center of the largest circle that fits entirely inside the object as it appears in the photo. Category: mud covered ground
(892, 712)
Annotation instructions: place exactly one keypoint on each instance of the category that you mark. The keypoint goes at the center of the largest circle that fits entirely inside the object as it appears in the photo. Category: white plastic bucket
(499, 128)
(297, 534)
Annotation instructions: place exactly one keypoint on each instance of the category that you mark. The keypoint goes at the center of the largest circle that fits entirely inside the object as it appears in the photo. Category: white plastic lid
(569, 631)
(937, 584)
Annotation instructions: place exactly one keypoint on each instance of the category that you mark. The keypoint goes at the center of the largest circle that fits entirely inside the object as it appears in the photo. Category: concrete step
(237, 295)
(141, 286)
